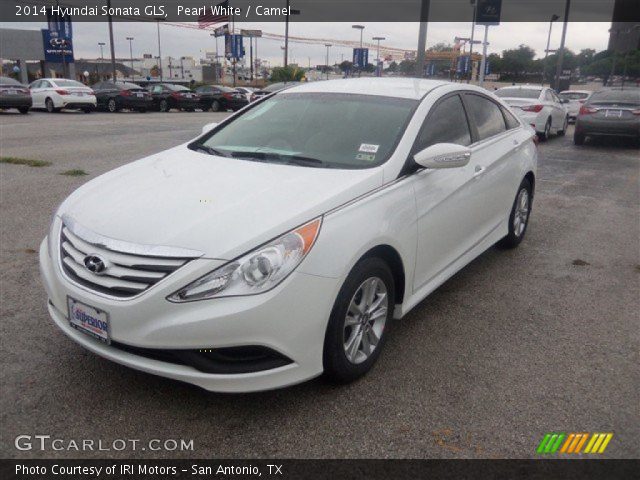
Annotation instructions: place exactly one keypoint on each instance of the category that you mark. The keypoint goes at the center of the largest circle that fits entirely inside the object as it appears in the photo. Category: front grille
(126, 274)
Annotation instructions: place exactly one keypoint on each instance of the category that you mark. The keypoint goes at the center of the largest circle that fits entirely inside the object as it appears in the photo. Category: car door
(37, 96)
(494, 156)
(445, 208)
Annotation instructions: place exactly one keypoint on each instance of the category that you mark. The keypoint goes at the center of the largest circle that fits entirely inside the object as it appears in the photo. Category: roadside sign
(55, 47)
(251, 33)
(59, 25)
(488, 12)
(360, 57)
(221, 31)
(233, 46)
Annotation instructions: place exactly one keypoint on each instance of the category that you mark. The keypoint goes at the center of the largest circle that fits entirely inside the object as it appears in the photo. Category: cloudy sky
(179, 41)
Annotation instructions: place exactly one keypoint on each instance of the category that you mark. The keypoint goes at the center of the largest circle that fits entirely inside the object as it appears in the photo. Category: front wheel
(357, 326)
(23, 110)
(519, 217)
(51, 108)
(564, 127)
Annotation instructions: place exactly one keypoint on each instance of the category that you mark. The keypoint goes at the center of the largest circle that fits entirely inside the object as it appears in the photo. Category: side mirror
(443, 155)
(208, 127)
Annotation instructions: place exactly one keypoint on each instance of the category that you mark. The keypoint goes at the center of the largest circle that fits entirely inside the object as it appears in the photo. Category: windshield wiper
(304, 161)
(211, 150)
(280, 158)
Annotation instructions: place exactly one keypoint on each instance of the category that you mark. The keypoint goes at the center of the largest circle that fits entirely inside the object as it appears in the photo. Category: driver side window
(446, 123)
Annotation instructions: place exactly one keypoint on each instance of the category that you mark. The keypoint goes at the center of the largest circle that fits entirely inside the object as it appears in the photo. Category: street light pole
(361, 28)
(131, 55)
(286, 37)
(483, 62)
(422, 37)
(473, 30)
(378, 55)
(101, 44)
(328, 45)
(554, 17)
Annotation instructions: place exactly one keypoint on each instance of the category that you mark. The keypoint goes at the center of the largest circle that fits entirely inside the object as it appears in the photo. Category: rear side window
(512, 122)
(446, 123)
(487, 116)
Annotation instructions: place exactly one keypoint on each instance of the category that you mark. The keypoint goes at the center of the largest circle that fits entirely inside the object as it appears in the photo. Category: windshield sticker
(367, 157)
(368, 148)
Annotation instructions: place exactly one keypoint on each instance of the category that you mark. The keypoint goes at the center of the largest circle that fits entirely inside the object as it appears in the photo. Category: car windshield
(573, 95)
(68, 83)
(621, 97)
(518, 92)
(328, 130)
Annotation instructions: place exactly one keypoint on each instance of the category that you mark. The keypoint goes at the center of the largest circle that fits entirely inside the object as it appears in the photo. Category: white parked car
(54, 94)
(575, 99)
(538, 106)
(246, 91)
(281, 244)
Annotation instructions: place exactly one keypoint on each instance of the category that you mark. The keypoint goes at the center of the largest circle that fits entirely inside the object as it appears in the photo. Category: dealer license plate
(89, 320)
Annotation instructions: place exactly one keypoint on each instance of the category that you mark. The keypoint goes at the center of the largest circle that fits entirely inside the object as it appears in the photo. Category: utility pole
(159, 50)
(131, 55)
(422, 38)
(101, 44)
(567, 6)
(111, 44)
(554, 17)
(286, 37)
(328, 45)
(251, 57)
(473, 30)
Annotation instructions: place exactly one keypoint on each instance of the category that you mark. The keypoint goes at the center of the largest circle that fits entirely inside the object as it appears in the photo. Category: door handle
(479, 170)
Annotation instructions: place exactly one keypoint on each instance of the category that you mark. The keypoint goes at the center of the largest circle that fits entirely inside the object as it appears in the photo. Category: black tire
(23, 110)
(50, 106)
(87, 110)
(189, 109)
(142, 110)
(543, 136)
(215, 106)
(578, 138)
(164, 105)
(112, 106)
(562, 132)
(513, 238)
(337, 367)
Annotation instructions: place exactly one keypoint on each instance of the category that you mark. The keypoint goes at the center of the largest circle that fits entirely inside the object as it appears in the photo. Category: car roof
(576, 91)
(413, 88)
(524, 87)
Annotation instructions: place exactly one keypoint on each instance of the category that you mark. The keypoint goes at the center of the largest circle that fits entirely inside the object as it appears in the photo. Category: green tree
(407, 67)
(346, 66)
(393, 67)
(517, 61)
(441, 47)
(286, 74)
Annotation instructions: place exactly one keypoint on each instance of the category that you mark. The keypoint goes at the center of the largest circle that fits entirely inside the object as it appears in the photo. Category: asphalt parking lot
(519, 343)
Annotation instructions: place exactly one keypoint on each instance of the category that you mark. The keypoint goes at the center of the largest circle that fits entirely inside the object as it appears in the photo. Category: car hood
(220, 206)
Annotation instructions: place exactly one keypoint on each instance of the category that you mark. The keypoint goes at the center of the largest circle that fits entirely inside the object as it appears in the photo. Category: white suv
(538, 106)
(54, 94)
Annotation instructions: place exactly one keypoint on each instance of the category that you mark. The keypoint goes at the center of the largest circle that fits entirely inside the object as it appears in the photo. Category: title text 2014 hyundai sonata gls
(282, 242)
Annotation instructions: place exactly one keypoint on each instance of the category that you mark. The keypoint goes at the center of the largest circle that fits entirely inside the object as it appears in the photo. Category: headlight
(257, 271)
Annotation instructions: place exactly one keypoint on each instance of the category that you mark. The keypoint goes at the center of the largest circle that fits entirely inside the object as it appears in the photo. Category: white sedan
(575, 99)
(282, 242)
(55, 94)
(538, 106)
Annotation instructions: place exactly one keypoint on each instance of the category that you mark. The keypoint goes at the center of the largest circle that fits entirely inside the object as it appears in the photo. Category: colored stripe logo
(574, 443)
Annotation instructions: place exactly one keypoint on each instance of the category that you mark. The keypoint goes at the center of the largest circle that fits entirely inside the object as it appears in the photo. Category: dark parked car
(274, 87)
(167, 96)
(614, 112)
(113, 97)
(217, 97)
(14, 95)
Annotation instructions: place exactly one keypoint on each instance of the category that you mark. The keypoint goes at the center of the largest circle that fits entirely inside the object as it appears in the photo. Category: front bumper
(290, 319)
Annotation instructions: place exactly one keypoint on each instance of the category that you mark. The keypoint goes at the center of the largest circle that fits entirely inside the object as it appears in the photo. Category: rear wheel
(519, 217)
(23, 110)
(215, 106)
(87, 110)
(164, 105)
(50, 106)
(142, 110)
(357, 326)
(578, 138)
(544, 135)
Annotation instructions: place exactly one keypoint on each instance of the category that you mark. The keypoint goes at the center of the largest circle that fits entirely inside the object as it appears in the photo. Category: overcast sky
(177, 41)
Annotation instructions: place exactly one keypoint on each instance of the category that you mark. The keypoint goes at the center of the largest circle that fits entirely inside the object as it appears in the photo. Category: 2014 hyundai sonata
(281, 243)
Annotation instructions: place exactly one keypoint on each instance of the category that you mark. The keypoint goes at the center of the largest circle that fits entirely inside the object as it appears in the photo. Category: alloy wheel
(365, 320)
(49, 105)
(112, 105)
(521, 213)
